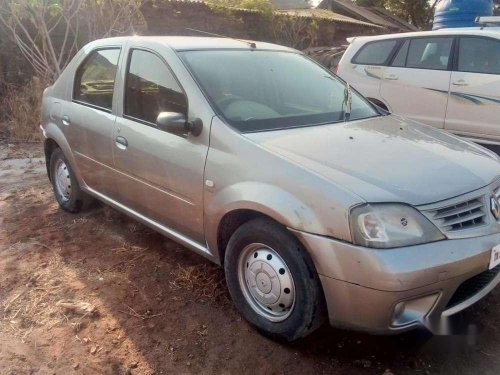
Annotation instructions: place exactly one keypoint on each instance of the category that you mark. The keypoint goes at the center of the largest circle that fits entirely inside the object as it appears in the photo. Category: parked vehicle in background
(449, 79)
(317, 204)
(327, 56)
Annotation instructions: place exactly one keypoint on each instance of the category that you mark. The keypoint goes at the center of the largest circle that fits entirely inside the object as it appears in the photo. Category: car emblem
(495, 207)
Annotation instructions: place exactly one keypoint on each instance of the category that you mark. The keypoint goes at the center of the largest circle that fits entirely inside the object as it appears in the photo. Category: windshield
(265, 90)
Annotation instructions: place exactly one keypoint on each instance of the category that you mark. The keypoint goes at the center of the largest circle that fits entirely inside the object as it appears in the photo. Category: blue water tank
(460, 13)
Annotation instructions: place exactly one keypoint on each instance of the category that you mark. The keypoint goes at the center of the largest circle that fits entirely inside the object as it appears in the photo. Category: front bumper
(394, 290)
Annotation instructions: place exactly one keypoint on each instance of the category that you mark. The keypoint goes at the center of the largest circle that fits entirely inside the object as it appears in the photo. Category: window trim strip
(92, 106)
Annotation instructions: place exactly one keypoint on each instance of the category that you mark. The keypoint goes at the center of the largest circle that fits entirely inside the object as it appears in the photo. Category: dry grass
(205, 281)
(43, 299)
(20, 111)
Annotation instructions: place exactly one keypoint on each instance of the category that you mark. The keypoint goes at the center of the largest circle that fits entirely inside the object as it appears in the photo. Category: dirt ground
(98, 293)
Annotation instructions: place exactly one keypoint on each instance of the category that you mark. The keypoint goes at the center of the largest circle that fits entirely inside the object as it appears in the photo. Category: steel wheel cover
(266, 282)
(62, 180)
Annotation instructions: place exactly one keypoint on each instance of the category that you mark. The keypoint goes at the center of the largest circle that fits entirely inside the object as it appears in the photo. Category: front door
(474, 103)
(160, 175)
(417, 82)
(88, 119)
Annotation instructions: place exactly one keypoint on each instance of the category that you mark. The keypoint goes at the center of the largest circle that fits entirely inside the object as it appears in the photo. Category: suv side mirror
(177, 123)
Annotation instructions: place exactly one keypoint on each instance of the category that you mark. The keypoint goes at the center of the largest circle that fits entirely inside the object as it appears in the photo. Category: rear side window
(429, 53)
(479, 55)
(95, 78)
(375, 53)
(151, 88)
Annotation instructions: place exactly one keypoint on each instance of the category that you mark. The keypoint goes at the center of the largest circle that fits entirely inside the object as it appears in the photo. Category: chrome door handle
(392, 77)
(460, 83)
(65, 120)
(121, 142)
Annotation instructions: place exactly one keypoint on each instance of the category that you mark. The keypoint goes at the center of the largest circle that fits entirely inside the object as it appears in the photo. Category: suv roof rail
(488, 21)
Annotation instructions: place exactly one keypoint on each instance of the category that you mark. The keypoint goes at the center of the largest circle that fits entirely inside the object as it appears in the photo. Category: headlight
(387, 225)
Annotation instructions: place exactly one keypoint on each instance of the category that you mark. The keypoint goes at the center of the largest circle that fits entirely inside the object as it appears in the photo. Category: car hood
(386, 159)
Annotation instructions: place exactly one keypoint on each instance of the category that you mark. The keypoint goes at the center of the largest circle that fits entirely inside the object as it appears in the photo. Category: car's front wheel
(272, 280)
(65, 185)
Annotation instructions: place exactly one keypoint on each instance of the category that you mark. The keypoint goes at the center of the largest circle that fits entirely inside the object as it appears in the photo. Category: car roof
(186, 43)
(487, 31)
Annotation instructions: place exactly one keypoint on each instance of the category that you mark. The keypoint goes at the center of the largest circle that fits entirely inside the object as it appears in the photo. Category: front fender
(266, 199)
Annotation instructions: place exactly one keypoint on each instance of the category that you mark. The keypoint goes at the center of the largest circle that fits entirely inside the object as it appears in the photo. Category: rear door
(88, 119)
(417, 82)
(474, 103)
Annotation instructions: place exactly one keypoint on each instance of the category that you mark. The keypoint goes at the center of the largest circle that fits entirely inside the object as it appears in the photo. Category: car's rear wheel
(65, 185)
(272, 280)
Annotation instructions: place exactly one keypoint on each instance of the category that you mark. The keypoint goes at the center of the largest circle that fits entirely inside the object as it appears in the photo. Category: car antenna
(251, 44)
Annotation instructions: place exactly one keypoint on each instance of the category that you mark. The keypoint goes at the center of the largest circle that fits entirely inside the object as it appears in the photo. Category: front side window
(375, 53)
(95, 78)
(429, 53)
(264, 90)
(479, 55)
(151, 88)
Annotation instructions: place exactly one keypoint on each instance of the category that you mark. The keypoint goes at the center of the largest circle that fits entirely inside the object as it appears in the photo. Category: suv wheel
(272, 280)
(66, 189)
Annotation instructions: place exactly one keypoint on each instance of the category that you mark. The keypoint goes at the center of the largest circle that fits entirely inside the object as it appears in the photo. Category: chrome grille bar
(460, 216)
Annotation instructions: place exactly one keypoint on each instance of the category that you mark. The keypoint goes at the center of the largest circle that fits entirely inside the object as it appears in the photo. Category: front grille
(472, 286)
(460, 216)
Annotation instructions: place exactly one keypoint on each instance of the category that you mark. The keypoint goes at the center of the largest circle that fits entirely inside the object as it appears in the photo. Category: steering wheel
(227, 100)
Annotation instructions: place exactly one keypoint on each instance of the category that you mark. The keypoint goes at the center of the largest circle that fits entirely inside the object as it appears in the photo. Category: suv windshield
(265, 90)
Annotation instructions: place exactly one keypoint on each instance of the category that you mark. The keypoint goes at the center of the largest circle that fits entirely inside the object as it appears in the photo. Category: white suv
(448, 78)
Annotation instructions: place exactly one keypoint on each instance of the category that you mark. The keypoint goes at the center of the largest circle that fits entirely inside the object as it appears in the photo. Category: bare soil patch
(98, 293)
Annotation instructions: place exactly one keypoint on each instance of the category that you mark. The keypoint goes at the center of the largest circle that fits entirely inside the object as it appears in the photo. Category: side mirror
(177, 123)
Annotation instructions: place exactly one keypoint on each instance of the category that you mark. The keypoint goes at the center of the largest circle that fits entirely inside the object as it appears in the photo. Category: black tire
(308, 311)
(77, 199)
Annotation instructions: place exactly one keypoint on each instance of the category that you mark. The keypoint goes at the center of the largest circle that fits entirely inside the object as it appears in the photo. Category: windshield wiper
(347, 103)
